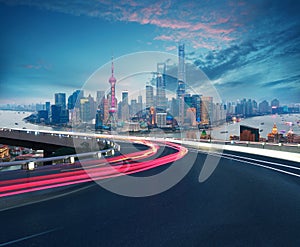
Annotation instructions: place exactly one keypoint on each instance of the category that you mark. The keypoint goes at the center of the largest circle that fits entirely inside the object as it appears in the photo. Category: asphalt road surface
(241, 204)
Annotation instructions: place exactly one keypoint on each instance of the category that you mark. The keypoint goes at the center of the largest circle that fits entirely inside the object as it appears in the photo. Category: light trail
(26, 185)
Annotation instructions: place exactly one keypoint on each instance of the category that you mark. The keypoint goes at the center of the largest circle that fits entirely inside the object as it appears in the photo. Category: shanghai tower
(181, 83)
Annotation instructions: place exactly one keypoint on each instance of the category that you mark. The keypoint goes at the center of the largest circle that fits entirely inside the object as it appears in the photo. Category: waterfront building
(249, 134)
(275, 102)
(43, 116)
(264, 107)
(274, 135)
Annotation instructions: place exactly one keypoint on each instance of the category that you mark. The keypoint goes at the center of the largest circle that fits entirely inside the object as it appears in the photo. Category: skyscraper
(100, 97)
(125, 97)
(181, 71)
(206, 110)
(161, 102)
(149, 96)
(124, 106)
(74, 99)
(181, 83)
(140, 103)
(60, 100)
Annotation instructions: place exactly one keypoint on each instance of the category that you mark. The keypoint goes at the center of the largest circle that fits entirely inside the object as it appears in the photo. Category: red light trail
(108, 168)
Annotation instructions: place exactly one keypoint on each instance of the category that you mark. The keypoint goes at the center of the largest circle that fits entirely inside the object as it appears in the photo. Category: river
(14, 119)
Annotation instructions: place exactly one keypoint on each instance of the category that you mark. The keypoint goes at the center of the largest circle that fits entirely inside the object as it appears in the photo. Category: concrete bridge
(51, 141)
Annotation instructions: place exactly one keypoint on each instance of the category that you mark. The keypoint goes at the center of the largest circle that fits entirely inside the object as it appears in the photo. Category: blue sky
(247, 49)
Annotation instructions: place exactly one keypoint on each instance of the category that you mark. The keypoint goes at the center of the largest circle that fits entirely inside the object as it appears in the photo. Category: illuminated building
(4, 152)
(249, 134)
(274, 136)
(290, 136)
(206, 110)
(152, 117)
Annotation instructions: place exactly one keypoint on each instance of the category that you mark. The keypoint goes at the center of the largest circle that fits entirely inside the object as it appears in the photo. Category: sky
(246, 49)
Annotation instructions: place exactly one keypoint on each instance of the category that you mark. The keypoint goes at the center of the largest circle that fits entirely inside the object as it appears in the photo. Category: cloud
(38, 66)
(237, 44)
(177, 20)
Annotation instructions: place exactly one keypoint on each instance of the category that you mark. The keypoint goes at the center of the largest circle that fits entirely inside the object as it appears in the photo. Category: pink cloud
(171, 48)
(164, 38)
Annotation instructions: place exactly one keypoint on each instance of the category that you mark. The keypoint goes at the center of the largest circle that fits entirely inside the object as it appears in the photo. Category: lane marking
(47, 199)
(242, 160)
(232, 156)
(29, 237)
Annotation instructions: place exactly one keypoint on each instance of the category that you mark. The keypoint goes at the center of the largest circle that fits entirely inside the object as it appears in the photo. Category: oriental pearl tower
(112, 110)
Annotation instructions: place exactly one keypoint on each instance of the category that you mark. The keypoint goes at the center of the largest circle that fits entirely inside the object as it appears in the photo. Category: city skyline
(244, 46)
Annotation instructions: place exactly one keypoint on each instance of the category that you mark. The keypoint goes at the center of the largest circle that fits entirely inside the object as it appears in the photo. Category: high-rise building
(85, 110)
(206, 110)
(196, 103)
(133, 107)
(161, 102)
(181, 83)
(181, 71)
(124, 112)
(74, 99)
(275, 102)
(249, 108)
(60, 100)
(264, 107)
(55, 114)
(161, 120)
(99, 98)
(140, 103)
(149, 96)
(47, 104)
(125, 97)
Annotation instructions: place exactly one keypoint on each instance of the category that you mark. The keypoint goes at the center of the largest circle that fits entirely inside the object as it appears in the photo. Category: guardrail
(31, 164)
(287, 147)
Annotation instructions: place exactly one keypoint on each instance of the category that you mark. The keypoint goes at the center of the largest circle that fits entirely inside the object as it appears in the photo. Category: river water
(14, 119)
